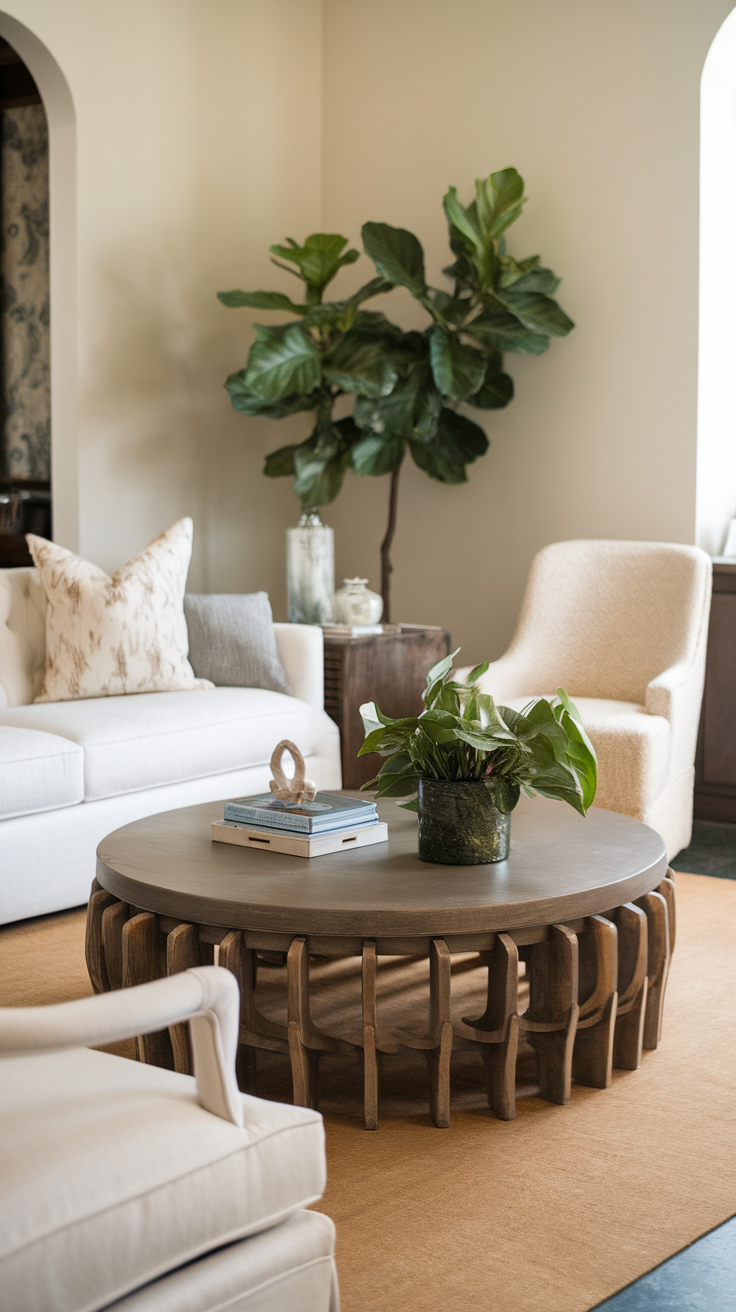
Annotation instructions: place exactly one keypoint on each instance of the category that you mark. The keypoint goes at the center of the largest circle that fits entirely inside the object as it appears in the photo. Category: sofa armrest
(301, 651)
(206, 996)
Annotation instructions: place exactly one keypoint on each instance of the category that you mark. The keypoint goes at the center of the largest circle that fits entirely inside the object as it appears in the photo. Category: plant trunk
(386, 566)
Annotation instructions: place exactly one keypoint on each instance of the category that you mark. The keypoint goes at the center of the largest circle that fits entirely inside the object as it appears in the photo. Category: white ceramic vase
(310, 570)
(356, 604)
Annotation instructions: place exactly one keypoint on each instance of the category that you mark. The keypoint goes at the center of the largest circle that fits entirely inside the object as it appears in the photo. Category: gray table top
(561, 867)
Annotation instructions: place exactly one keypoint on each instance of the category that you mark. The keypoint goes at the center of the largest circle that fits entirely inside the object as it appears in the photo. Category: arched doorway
(58, 105)
(25, 402)
(716, 445)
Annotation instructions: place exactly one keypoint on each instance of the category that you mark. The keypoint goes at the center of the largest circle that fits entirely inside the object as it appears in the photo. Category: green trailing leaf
(260, 301)
(462, 734)
(477, 671)
(282, 361)
(397, 254)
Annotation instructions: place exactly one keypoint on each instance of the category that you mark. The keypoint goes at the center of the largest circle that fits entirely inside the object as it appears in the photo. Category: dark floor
(702, 1278)
(711, 852)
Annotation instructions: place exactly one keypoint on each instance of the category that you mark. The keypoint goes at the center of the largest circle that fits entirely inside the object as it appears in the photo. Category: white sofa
(70, 772)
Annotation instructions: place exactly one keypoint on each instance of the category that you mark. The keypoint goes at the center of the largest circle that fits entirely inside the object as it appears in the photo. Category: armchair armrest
(662, 691)
(301, 652)
(206, 996)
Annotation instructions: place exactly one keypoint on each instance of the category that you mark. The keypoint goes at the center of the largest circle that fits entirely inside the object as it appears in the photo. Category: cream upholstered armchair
(137, 1189)
(623, 627)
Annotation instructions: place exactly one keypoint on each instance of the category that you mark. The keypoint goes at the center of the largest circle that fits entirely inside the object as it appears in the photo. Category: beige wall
(596, 103)
(209, 128)
(198, 129)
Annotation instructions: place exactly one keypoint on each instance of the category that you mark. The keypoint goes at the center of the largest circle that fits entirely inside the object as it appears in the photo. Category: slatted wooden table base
(596, 998)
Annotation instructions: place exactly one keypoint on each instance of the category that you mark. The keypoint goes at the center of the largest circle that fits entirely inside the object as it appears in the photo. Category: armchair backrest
(603, 619)
(22, 636)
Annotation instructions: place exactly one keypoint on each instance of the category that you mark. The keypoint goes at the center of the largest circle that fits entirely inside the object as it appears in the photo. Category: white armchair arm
(206, 996)
(661, 692)
(301, 652)
(676, 694)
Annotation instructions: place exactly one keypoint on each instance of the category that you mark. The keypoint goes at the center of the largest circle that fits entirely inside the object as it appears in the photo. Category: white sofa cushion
(148, 739)
(633, 750)
(113, 1174)
(289, 1266)
(38, 772)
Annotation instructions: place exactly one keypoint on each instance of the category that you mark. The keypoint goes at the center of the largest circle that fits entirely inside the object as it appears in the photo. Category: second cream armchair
(622, 627)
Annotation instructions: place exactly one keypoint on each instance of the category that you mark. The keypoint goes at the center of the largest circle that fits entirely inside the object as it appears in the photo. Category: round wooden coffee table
(588, 904)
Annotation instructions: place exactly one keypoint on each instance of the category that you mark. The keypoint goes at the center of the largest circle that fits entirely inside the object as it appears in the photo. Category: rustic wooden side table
(387, 668)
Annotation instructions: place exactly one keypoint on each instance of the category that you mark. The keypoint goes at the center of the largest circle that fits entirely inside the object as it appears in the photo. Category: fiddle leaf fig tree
(330, 348)
(408, 387)
(497, 304)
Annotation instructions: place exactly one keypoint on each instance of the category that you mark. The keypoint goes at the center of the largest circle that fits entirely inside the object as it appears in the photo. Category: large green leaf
(397, 413)
(458, 370)
(377, 455)
(459, 219)
(457, 442)
(280, 464)
(319, 259)
(496, 392)
(527, 276)
(506, 200)
(319, 475)
(281, 362)
(469, 438)
(248, 403)
(376, 287)
(260, 301)
(505, 792)
(539, 313)
(397, 254)
(498, 328)
(360, 364)
(453, 309)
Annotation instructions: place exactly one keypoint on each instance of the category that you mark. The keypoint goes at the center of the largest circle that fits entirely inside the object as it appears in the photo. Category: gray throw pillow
(231, 636)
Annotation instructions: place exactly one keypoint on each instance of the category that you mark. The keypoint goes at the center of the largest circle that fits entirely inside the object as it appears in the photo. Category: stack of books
(327, 824)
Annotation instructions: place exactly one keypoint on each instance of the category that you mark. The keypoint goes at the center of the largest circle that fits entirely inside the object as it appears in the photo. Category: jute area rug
(552, 1212)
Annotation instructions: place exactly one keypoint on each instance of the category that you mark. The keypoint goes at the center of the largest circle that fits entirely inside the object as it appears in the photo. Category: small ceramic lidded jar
(356, 604)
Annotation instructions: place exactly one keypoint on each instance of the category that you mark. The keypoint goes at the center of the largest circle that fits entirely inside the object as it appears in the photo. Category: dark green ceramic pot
(459, 824)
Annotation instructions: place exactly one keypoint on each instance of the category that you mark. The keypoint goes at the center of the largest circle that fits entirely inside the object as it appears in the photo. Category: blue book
(326, 812)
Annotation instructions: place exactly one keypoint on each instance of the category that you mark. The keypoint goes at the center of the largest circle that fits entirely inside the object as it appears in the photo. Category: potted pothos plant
(465, 761)
(407, 387)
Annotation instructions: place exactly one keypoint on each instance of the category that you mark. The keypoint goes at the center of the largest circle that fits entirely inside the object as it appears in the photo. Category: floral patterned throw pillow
(126, 634)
